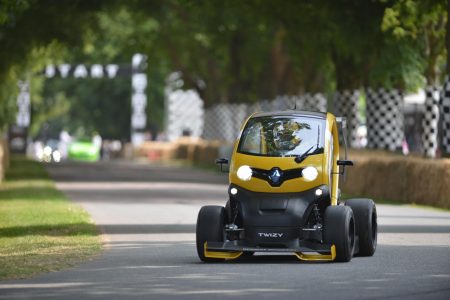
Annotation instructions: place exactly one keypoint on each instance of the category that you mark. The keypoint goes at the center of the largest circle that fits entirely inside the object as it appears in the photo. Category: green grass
(40, 230)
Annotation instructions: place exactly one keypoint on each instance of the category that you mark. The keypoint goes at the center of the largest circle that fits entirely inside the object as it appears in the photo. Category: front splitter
(308, 251)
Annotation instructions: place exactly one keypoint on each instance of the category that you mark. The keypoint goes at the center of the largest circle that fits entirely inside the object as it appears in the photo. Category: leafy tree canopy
(228, 50)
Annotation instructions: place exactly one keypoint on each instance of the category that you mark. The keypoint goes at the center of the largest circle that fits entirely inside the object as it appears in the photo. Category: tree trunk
(279, 64)
(447, 39)
(235, 67)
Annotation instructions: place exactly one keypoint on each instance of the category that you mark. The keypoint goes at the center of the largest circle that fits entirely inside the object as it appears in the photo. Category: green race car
(84, 150)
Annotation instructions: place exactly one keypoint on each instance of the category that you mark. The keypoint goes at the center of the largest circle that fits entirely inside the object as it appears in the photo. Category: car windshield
(279, 136)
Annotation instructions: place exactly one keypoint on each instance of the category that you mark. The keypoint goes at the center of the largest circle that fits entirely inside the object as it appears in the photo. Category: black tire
(339, 229)
(365, 213)
(210, 227)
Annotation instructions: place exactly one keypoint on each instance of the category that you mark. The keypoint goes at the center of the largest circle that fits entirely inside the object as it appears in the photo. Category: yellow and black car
(284, 195)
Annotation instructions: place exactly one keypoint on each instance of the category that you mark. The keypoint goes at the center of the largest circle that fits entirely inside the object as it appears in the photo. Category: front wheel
(210, 224)
(339, 230)
(365, 213)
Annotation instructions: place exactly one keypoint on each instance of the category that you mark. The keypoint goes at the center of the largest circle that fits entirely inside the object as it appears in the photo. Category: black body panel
(276, 176)
(275, 219)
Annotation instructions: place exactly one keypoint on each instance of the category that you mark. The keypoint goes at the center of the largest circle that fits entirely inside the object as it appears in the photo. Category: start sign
(82, 71)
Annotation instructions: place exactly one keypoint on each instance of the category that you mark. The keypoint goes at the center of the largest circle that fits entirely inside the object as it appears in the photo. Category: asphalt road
(148, 216)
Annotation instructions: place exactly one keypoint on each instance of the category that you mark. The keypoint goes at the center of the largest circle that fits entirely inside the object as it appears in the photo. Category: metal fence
(385, 122)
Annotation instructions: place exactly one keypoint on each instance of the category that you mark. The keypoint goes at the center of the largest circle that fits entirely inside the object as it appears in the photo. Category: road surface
(148, 213)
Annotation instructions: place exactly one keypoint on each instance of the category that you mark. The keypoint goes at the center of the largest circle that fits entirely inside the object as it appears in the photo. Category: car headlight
(56, 156)
(310, 173)
(244, 173)
(47, 151)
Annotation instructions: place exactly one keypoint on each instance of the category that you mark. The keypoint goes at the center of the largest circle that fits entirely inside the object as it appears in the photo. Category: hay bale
(390, 176)
(206, 153)
(156, 150)
(185, 147)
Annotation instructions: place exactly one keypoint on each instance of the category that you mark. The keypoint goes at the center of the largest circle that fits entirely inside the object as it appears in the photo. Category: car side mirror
(221, 162)
(342, 162)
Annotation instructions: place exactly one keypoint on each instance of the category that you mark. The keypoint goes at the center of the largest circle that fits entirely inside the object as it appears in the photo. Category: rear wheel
(210, 225)
(340, 231)
(365, 213)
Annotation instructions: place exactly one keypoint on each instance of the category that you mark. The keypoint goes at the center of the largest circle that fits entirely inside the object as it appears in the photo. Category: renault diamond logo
(275, 176)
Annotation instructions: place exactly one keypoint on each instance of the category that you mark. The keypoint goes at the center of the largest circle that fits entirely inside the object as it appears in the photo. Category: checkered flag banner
(346, 104)
(184, 113)
(430, 121)
(445, 115)
(384, 114)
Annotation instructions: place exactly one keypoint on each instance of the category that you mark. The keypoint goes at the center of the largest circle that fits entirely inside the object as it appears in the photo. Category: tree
(419, 28)
(229, 51)
(60, 22)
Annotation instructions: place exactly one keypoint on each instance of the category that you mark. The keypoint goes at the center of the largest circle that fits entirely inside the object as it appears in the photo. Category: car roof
(280, 113)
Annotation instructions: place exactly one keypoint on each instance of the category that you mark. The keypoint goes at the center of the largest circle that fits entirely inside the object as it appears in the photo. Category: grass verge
(40, 230)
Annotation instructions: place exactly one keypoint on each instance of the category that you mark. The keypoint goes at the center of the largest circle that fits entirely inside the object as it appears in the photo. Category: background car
(84, 150)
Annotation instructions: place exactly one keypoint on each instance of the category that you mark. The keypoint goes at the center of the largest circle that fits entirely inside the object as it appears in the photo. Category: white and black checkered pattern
(445, 116)
(312, 102)
(347, 105)
(384, 114)
(430, 121)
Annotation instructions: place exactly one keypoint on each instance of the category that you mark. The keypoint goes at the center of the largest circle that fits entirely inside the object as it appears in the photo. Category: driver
(285, 135)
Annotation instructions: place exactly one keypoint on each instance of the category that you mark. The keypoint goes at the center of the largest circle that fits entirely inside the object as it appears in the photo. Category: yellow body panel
(331, 156)
(222, 255)
(267, 163)
(324, 163)
(317, 257)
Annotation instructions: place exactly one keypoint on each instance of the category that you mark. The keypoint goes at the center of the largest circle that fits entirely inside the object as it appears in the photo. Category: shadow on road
(73, 229)
(115, 171)
(147, 228)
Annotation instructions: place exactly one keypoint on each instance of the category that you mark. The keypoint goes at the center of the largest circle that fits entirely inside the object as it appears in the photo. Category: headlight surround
(310, 173)
(244, 173)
